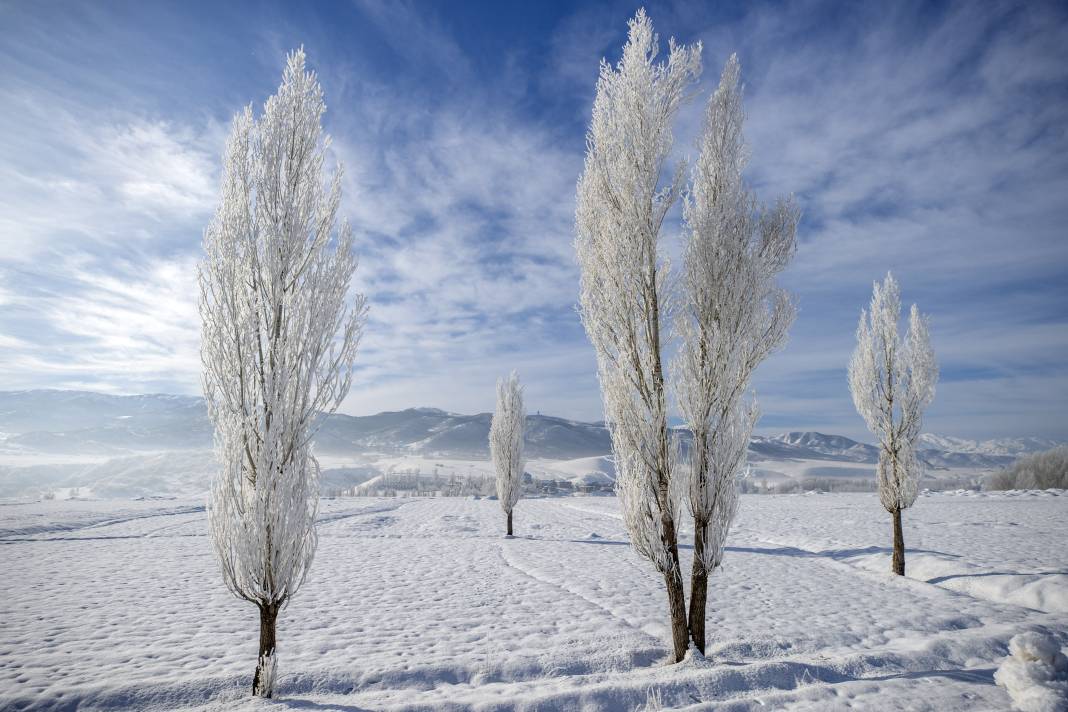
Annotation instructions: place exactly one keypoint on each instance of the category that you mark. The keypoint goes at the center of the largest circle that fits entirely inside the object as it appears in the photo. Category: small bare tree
(506, 443)
(892, 381)
(732, 316)
(278, 342)
(620, 209)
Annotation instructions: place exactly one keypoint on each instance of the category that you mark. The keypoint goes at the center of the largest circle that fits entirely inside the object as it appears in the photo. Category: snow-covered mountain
(1013, 447)
(146, 444)
(433, 431)
(937, 452)
(812, 445)
(78, 422)
(83, 423)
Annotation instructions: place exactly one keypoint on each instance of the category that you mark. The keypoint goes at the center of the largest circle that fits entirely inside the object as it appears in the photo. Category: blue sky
(929, 139)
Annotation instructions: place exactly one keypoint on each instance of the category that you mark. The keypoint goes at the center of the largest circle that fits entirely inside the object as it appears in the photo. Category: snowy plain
(422, 604)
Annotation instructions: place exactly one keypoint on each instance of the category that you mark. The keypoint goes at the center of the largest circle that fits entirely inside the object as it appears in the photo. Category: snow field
(422, 604)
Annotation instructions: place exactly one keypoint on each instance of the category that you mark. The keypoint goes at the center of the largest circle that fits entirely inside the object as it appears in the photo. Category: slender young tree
(620, 209)
(278, 343)
(731, 316)
(506, 443)
(892, 380)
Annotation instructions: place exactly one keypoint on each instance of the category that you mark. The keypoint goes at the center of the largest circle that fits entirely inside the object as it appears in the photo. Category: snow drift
(1035, 674)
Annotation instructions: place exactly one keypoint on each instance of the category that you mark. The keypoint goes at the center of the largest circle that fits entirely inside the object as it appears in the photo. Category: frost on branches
(731, 316)
(619, 212)
(892, 380)
(506, 443)
(278, 342)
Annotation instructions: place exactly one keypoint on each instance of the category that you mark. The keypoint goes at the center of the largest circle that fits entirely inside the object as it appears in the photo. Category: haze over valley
(100, 445)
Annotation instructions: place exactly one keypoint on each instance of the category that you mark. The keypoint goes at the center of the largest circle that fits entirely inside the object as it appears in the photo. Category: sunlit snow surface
(422, 604)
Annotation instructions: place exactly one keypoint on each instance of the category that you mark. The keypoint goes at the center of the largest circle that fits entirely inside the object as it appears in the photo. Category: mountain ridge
(91, 423)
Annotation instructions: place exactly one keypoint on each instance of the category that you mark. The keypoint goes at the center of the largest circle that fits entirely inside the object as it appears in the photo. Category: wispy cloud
(922, 138)
(125, 326)
(67, 179)
(466, 254)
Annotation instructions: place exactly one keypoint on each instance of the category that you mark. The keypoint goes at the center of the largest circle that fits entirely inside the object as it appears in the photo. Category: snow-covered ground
(422, 604)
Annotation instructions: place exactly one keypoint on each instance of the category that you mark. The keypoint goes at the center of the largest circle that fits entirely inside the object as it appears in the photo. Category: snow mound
(1035, 674)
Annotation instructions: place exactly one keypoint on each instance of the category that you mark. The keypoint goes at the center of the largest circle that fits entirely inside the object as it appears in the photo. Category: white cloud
(917, 146)
(126, 326)
(106, 177)
(159, 171)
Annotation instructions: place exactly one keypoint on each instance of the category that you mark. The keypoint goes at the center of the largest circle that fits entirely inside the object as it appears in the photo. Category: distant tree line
(1042, 470)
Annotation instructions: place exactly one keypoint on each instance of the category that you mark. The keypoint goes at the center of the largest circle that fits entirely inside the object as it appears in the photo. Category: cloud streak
(927, 139)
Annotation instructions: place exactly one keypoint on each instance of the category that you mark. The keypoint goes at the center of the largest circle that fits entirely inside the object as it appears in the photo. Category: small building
(594, 483)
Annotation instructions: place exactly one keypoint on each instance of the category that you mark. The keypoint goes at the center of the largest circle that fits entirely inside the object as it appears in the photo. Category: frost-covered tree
(621, 206)
(506, 443)
(892, 380)
(1040, 470)
(731, 316)
(278, 341)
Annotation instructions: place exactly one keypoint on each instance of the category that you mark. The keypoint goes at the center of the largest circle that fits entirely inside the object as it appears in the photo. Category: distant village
(444, 481)
(415, 483)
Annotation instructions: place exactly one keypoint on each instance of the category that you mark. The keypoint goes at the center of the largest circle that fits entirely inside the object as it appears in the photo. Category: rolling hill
(161, 444)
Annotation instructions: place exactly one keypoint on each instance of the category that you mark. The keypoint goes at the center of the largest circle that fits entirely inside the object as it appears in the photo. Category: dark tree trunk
(899, 545)
(698, 588)
(680, 632)
(509, 522)
(268, 621)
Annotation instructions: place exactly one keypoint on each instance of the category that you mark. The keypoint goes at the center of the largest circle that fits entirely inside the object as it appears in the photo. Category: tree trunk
(899, 545)
(263, 682)
(698, 588)
(680, 632)
(509, 522)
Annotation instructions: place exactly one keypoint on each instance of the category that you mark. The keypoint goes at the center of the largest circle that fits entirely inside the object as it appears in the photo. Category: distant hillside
(971, 454)
(78, 422)
(433, 431)
(82, 423)
(59, 423)
(1010, 447)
